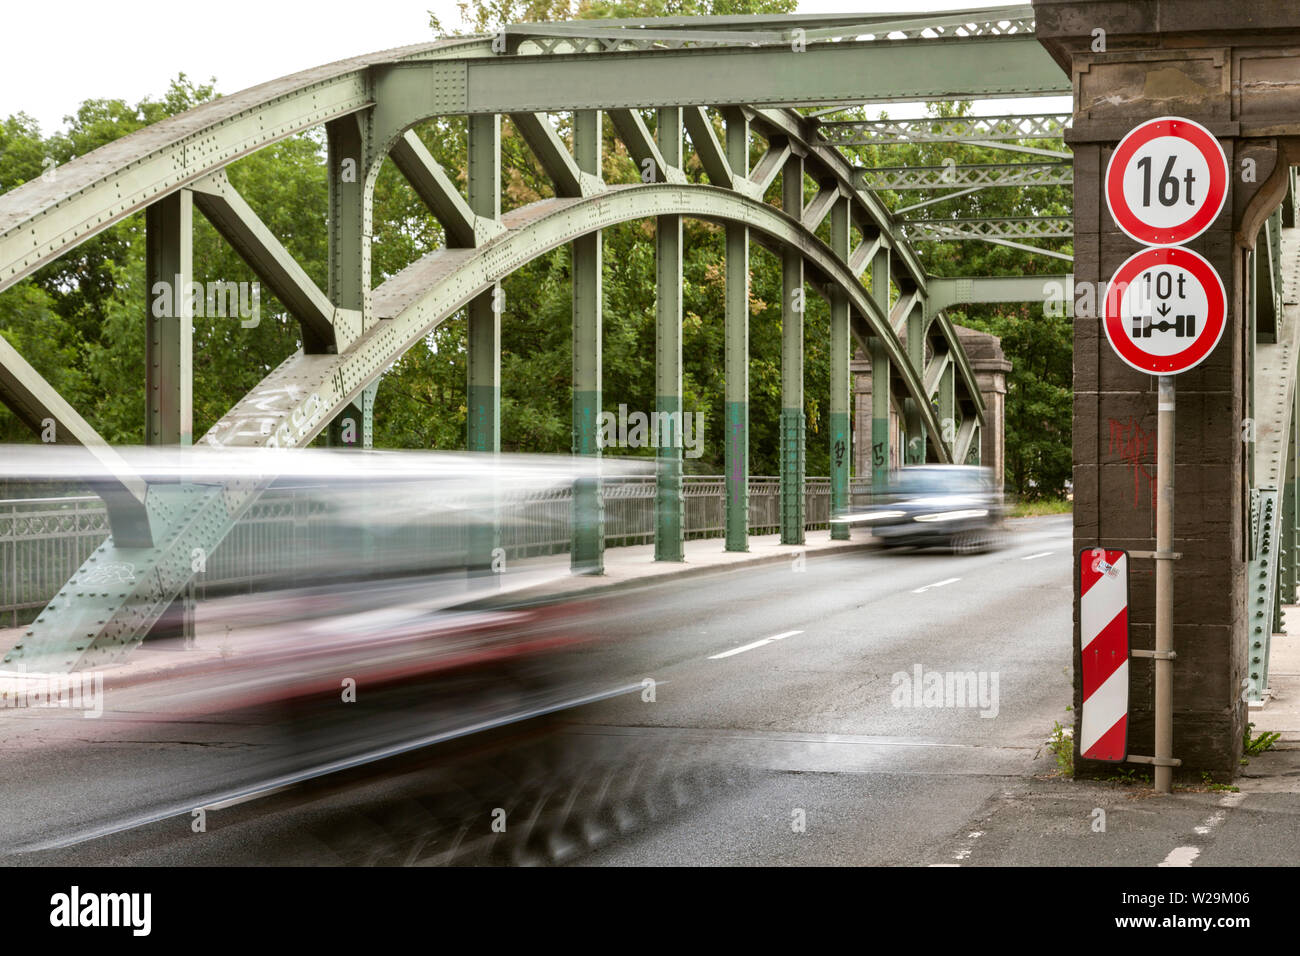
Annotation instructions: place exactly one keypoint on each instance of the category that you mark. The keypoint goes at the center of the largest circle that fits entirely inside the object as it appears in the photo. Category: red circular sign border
(1215, 159)
(1201, 270)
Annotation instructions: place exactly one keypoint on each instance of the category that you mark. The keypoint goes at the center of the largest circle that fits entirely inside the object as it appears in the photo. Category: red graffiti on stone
(1134, 446)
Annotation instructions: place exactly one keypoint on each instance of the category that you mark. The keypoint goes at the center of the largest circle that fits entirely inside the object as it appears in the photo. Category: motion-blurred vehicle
(952, 506)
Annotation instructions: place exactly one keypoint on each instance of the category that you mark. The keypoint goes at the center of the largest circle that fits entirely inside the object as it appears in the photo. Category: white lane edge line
(1041, 554)
(1186, 855)
(749, 647)
(938, 584)
(1181, 856)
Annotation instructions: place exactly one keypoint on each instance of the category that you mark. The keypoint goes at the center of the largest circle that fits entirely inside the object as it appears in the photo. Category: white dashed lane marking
(749, 647)
(937, 584)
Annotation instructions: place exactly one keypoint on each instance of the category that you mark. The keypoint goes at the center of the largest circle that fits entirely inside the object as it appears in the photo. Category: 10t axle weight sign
(1165, 310)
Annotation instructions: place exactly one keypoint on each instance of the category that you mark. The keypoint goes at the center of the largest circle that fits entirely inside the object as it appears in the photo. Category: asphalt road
(781, 727)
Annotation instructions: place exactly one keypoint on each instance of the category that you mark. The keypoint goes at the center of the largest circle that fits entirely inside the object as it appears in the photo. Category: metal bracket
(1156, 655)
(1157, 555)
(1155, 761)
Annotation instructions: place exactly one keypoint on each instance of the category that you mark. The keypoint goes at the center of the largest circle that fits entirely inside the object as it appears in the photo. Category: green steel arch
(352, 333)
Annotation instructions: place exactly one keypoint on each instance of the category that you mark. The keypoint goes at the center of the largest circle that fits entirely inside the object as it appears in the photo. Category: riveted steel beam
(984, 67)
(881, 380)
(707, 147)
(545, 142)
(41, 408)
(226, 209)
(641, 146)
(436, 190)
(947, 291)
(840, 435)
(587, 555)
(736, 345)
(169, 320)
(819, 207)
(792, 453)
(670, 525)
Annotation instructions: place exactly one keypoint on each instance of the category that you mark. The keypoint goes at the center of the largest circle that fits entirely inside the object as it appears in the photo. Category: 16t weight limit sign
(1165, 310)
(1166, 181)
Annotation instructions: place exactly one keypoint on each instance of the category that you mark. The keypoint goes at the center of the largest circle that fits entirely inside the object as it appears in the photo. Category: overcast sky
(54, 56)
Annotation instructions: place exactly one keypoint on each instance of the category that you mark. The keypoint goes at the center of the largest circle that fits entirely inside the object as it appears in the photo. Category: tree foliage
(80, 320)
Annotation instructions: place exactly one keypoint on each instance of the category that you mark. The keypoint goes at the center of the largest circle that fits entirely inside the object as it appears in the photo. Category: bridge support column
(483, 339)
(840, 384)
(348, 140)
(881, 389)
(169, 356)
(355, 426)
(914, 444)
(669, 508)
(1176, 58)
(587, 555)
(349, 264)
(737, 349)
(169, 320)
(948, 409)
(792, 310)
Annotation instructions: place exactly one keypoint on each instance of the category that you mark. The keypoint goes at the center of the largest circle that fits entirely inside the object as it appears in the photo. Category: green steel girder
(927, 178)
(42, 219)
(947, 291)
(226, 209)
(1262, 587)
(297, 400)
(38, 405)
(907, 70)
(957, 129)
(436, 190)
(643, 149)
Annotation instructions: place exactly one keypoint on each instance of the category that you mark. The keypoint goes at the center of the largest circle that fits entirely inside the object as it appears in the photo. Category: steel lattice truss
(927, 178)
(945, 130)
(668, 33)
(936, 230)
(724, 91)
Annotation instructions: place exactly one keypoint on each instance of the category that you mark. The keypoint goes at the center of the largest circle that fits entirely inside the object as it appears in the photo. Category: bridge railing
(44, 540)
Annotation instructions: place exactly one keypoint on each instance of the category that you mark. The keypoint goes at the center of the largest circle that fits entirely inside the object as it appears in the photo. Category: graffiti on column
(1135, 445)
(878, 454)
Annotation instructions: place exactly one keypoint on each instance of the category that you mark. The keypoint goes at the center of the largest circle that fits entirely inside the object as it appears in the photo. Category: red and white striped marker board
(1103, 616)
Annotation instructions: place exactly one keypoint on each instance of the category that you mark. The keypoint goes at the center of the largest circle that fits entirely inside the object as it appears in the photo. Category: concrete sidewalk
(635, 566)
(1278, 770)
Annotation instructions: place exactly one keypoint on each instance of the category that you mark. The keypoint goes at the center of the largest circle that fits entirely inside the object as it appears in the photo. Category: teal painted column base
(587, 550)
(483, 412)
(737, 480)
(670, 525)
(486, 559)
(792, 475)
(839, 473)
(879, 455)
(354, 427)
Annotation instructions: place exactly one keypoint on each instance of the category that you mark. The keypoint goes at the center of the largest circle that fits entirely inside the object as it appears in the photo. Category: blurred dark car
(951, 506)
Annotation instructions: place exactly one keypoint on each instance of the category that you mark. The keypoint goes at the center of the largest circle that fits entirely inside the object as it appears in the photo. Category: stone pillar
(990, 365)
(1233, 71)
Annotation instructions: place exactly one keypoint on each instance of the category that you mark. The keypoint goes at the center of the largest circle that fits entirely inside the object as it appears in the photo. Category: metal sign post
(1164, 585)
(1166, 310)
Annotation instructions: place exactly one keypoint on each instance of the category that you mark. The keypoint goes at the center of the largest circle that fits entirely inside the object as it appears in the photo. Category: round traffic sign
(1165, 310)
(1166, 181)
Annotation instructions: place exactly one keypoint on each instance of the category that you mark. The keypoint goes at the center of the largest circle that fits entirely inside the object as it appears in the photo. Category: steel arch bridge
(727, 81)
